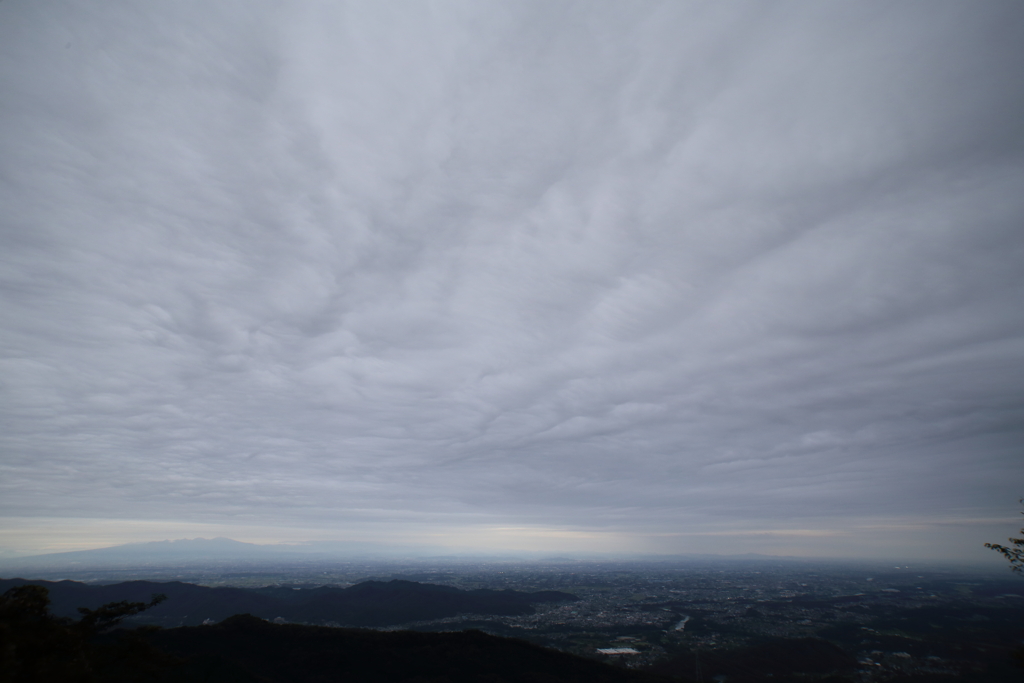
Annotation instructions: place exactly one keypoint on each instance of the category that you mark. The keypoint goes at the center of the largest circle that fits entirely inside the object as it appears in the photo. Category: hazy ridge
(370, 603)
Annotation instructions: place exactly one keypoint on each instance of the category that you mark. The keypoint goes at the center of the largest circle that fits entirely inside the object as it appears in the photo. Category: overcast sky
(629, 276)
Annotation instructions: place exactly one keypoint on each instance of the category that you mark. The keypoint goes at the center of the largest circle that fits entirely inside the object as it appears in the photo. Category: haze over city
(571, 277)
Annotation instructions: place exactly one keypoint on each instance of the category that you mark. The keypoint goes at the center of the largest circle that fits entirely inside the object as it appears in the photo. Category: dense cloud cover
(624, 275)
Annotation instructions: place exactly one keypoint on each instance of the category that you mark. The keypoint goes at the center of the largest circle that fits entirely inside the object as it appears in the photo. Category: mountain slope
(182, 550)
(201, 551)
(245, 649)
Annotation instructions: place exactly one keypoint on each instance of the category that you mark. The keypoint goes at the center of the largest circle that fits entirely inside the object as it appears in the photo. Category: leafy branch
(1014, 554)
(111, 614)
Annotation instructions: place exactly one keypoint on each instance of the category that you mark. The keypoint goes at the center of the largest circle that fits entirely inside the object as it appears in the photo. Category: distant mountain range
(371, 603)
(211, 552)
(202, 550)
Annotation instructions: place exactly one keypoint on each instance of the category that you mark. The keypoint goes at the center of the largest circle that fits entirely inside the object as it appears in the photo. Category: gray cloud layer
(654, 268)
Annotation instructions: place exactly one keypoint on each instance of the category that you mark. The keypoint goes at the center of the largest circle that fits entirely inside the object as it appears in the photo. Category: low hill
(245, 649)
(371, 603)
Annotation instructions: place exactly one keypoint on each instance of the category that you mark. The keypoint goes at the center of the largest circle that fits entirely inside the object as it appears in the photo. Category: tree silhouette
(1016, 557)
(37, 647)
(1014, 554)
(97, 621)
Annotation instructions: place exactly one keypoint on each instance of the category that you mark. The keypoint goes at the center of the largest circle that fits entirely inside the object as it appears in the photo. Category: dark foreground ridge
(246, 649)
(370, 603)
(888, 640)
(38, 647)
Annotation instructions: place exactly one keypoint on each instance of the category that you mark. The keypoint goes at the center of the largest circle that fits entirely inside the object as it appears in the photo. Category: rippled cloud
(662, 271)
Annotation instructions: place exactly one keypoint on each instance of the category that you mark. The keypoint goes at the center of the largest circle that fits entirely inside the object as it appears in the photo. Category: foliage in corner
(1016, 557)
(37, 646)
(1014, 554)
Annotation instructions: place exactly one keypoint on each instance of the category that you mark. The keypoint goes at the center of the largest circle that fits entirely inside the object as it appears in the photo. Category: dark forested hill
(371, 603)
(37, 647)
(244, 649)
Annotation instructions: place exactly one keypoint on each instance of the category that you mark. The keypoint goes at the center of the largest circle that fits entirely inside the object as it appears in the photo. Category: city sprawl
(893, 620)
